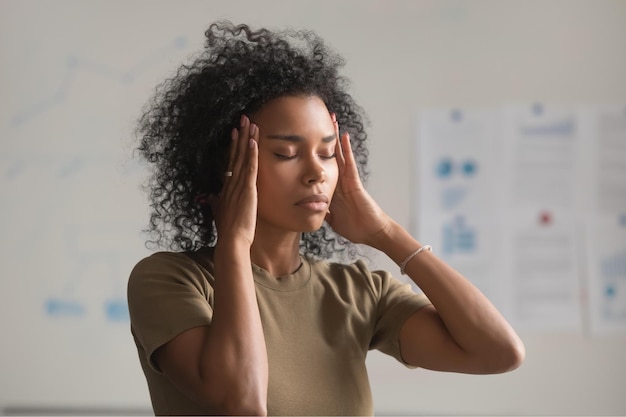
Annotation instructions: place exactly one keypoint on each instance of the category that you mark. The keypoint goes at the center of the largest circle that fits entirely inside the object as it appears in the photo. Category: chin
(298, 224)
(312, 229)
(312, 226)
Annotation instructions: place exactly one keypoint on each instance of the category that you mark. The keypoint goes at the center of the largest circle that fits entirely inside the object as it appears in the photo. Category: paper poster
(605, 128)
(500, 198)
(542, 205)
(541, 279)
(457, 203)
(606, 252)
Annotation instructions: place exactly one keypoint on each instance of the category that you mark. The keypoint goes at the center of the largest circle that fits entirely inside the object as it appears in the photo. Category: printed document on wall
(605, 128)
(542, 201)
(456, 205)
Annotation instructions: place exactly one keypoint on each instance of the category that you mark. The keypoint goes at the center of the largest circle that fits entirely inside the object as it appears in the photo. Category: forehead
(294, 112)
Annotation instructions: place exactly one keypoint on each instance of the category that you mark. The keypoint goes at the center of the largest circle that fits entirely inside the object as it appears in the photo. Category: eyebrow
(297, 138)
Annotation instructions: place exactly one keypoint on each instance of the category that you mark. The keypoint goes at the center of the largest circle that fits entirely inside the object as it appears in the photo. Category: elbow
(243, 410)
(232, 405)
(511, 362)
(241, 397)
(238, 409)
(238, 406)
(507, 358)
(517, 353)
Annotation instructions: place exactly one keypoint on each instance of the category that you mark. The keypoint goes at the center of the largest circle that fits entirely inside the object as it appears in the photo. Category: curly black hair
(185, 127)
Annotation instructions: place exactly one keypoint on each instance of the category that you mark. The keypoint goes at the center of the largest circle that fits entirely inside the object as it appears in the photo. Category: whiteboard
(75, 76)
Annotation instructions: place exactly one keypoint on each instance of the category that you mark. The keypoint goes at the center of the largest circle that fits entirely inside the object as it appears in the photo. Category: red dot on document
(545, 218)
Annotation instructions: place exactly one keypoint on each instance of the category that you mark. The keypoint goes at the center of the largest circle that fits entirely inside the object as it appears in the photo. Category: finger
(234, 134)
(253, 152)
(253, 160)
(241, 146)
(348, 156)
(244, 191)
(338, 148)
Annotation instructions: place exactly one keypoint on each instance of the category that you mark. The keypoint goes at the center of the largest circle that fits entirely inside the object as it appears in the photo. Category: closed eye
(285, 157)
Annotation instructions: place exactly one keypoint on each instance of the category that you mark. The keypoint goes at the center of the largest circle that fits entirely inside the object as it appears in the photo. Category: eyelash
(287, 157)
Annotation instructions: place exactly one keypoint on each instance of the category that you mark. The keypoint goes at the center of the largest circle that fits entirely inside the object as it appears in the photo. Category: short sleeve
(396, 303)
(168, 293)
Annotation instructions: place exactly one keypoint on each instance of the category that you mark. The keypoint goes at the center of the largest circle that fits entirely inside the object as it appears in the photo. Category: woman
(258, 152)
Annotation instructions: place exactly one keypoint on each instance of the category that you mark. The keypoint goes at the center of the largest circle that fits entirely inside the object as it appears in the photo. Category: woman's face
(297, 167)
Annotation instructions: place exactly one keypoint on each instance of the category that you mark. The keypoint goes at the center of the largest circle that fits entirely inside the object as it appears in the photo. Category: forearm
(471, 319)
(234, 362)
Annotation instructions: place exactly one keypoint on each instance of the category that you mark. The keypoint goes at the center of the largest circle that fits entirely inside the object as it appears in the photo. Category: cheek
(271, 181)
(332, 170)
(332, 176)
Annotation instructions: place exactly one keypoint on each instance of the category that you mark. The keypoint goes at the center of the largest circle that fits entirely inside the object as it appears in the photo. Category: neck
(278, 254)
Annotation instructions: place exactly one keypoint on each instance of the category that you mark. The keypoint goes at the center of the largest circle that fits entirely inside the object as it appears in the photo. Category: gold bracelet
(408, 258)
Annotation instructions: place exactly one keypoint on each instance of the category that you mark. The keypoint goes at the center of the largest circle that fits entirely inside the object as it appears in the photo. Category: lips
(317, 202)
(317, 198)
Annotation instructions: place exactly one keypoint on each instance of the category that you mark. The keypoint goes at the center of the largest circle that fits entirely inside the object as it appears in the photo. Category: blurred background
(74, 78)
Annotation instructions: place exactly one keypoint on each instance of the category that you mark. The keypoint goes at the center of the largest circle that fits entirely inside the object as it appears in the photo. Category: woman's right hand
(235, 208)
(209, 363)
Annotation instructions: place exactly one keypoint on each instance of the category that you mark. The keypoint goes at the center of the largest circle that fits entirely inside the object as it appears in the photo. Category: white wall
(74, 76)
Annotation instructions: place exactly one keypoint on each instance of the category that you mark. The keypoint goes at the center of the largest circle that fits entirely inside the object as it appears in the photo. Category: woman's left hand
(353, 212)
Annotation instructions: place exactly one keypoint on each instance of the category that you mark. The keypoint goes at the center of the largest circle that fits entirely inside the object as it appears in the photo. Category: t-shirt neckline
(289, 282)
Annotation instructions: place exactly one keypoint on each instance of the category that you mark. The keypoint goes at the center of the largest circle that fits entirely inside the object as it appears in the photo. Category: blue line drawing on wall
(96, 251)
(116, 309)
(74, 64)
(458, 237)
(65, 167)
(71, 167)
(84, 259)
(15, 169)
(64, 307)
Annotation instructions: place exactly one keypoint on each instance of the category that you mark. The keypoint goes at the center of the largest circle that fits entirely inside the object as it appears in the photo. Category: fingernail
(243, 120)
(252, 128)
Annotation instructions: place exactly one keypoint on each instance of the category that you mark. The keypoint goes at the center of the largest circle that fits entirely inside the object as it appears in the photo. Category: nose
(314, 171)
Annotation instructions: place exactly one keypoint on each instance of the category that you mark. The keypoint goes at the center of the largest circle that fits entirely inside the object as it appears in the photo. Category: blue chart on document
(613, 272)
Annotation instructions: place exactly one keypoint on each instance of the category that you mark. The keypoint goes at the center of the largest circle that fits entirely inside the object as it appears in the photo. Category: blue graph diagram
(75, 64)
(453, 196)
(446, 167)
(458, 237)
(613, 271)
(446, 170)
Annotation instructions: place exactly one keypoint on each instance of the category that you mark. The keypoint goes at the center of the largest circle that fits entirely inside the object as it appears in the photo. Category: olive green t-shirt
(319, 323)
